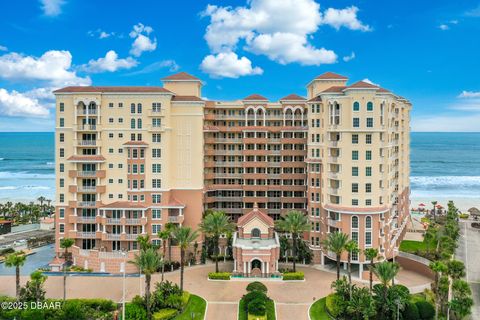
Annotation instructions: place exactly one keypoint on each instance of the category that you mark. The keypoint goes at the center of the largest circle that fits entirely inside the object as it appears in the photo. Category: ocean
(443, 166)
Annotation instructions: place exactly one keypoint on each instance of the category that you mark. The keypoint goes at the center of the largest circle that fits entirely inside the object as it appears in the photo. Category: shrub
(411, 311)
(425, 309)
(6, 251)
(219, 275)
(134, 311)
(254, 295)
(463, 216)
(185, 298)
(165, 314)
(257, 307)
(257, 286)
(333, 305)
(293, 276)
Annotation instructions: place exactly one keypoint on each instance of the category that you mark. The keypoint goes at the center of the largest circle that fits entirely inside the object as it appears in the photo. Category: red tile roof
(334, 89)
(363, 84)
(315, 99)
(293, 97)
(186, 98)
(87, 158)
(255, 213)
(383, 90)
(331, 76)
(124, 204)
(180, 76)
(173, 202)
(91, 89)
(255, 97)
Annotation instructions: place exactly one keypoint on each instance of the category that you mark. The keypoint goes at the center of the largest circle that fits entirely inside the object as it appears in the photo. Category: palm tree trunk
(294, 235)
(169, 250)
(350, 273)
(216, 252)
(64, 283)
(338, 266)
(163, 264)
(17, 281)
(147, 294)
(182, 256)
(371, 275)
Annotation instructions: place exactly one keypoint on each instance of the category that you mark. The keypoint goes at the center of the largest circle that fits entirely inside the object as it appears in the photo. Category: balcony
(113, 236)
(89, 112)
(86, 189)
(134, 221)
(333, 159)
(88, 204)
(87, 174)
(333, 191)
(87, 142)
(87, 127)
(86, 219)
(175, 219)
(132, 236)
(333, 144)
(333, 223)
(86, 235)
(111, 221)
(156, 113)
(334, 175)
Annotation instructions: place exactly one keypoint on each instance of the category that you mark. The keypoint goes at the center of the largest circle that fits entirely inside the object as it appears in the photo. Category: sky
(426, 51)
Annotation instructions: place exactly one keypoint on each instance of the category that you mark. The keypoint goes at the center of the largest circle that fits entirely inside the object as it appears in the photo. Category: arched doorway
(256, 268)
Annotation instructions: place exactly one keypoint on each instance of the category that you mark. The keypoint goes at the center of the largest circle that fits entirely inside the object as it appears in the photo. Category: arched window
(368, 222)
(139, 108)
(132, 108)
(354, 222)
(255, 233)
(132, 124)
(369, 106)
(356, 106)
(139, 123)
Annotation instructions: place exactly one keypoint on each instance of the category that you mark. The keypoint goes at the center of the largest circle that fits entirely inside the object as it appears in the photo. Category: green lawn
(242, 314)
(196, 305)
(317, 311)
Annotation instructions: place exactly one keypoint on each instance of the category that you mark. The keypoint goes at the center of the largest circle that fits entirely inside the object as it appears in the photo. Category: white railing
(333, 159)
(113, 236)
(110, 255)
(87, 203)
(133, 221)
(86, 219)
(87, 142)
(132, 236)
(87, 127)
(174, 218)
(87, 188)
(83, 234)
(88, 111)
(113, 220)
(86, 173)
(333, 191)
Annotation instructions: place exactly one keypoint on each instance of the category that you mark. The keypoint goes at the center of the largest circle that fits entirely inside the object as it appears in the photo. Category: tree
(65, 243)
(33, 290)
(336, 242)
(385, 272)
(361, 305)
(148, 262)
(17, 260)
(213, 225)
(164, 235)
(169, 228)
(295, 223)
(371, 254)
(351, 247)
(461, 302)
(455, 269)
(42, 199)
(438, 268)
(144, 242)
(434, 203)
(184, 237)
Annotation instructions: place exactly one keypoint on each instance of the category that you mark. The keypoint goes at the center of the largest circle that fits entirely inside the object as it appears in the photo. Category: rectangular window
(156, 183)
(368, 171)
(156, 107)
(120, 104)
(156, 153)
(62, 152)
(62, 137)
(368, 155)
(156, 137)
(368, 202)
(62, 122)
(354, 202)
(61, 213)
(354, 171)
(368, 139)
(62, 183)
(110, 104)
(355, 187)
(368, 187)
(156, 228)
(354, 155)
(156, 214)
(62, 107)
(356, 122)
(368, 238)
(62, 197)
(62, 167)
(156, 198)
(156, 122)
(355, 138)
(61, 227)
(156, 168)
(369, 122)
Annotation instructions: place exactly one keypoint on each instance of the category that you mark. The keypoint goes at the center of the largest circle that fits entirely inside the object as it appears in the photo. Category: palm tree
(164, 235)
(147, 261)
(351, 247)
(438, 268)
(386, 272)
(336, 242)
(48, 201)
(170, 227)
(42, 199)
(214, 225)
(371, 254)
(434, 203)
(17, 260)
(184, 237)
(295, 223)
(65, 243)
(144, 242)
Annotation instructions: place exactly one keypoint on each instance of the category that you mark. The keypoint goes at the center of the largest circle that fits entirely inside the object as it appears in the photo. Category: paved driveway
(468, 252)
(292, 298)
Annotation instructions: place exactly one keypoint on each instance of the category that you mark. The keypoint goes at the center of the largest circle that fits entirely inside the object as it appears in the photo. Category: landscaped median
(293, 276)
(219, 275)
(256, 305)
(318, 310)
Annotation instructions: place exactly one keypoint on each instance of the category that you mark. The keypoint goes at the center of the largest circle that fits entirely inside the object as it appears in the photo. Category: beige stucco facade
(341, 155)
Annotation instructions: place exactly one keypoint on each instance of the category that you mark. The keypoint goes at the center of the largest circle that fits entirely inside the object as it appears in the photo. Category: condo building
(131, 159)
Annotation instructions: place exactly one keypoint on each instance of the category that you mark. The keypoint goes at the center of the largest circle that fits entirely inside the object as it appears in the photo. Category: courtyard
(292, 299)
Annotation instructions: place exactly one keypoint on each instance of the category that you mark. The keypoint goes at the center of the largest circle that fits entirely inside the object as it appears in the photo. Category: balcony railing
(113, 221)
(175, 218)
(87, 142)
(87, 203)
(86, 235)
(87, 188)
(88, 111)
(132, 236)
(86, 173)
(133, 221)
(87, 127)
(114, 236)
(86, 219)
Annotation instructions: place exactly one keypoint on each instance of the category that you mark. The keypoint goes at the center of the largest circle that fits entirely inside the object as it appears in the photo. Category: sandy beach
(463, 204)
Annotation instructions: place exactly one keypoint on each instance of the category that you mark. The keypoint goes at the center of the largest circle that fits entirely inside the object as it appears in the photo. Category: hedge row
(219, 275)
(293, 276)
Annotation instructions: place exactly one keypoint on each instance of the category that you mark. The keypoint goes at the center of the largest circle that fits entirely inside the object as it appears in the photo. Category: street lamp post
(124, 254)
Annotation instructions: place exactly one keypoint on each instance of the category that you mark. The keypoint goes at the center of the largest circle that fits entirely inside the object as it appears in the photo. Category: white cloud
(142, 40)
(16, 104)
(349, 57)
(3, 48)
(371, 82)
(110, 63)
(475, 12)
(53, 66)
(100, 34)
(170, 64)
(469, 94)
(228, 65)
(347, 18)
(52, 8)
(443, 27)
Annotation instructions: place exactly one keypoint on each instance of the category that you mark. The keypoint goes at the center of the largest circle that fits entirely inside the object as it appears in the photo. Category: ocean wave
(445, 182)
(25, 175)
(25, 187)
